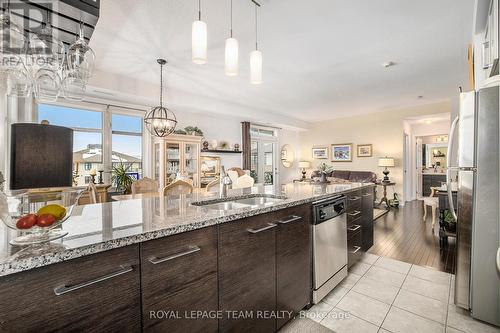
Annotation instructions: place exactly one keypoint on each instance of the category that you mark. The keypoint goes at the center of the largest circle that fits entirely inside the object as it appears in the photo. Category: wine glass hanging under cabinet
(177, 156)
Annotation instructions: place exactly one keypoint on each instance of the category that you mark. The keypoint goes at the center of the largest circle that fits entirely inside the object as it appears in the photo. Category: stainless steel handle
(448, 170)
(256, 231)
(354, 229)
(291, 219)
(367, 194)
(61, 290)
(498, 261)
(191, 249)
(354, 213)
(353, 198)
(357, 249)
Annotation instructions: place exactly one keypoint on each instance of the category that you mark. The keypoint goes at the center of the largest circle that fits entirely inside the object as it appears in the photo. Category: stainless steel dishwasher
(329, 245)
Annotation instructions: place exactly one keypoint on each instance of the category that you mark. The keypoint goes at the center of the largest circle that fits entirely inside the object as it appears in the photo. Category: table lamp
(386, 162)
(41, 156)
(304, 165)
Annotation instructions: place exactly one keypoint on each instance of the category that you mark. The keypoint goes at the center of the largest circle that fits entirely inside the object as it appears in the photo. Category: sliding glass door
(263, 161)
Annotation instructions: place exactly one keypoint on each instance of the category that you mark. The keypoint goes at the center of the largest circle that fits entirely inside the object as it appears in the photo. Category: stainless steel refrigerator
(477, 282)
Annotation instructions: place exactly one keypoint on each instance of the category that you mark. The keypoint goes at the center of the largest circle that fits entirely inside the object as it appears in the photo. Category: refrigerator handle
(449, 167)
(498, 261)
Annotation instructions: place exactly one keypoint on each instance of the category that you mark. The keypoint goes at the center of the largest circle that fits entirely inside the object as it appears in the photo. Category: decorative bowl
(42, 214)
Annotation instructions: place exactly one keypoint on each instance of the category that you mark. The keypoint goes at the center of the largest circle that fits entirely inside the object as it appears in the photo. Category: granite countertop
(100, 227)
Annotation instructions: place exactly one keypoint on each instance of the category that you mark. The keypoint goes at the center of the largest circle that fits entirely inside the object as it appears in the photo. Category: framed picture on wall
(364, 150)
(210, 165)
(320, 152)
(342, 152)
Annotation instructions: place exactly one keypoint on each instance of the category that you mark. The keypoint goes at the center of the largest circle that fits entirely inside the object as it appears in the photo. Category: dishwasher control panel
(328, 209)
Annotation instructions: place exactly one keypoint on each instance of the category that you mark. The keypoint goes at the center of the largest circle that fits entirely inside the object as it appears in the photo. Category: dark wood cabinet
(367, 218)
(96, 293)
(247, 273)
(179, 276)
(354, 226)
(293, 261)
(431, 180)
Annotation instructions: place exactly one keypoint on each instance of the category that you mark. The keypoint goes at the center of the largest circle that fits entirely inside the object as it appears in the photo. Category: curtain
(245, 144)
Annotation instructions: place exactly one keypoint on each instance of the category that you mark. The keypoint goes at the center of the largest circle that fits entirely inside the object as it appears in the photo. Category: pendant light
(160, 121)
(256, 56)
(199, 39)
(231, 51)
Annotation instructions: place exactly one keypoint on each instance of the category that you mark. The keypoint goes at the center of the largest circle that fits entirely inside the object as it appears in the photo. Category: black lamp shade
(40, 156)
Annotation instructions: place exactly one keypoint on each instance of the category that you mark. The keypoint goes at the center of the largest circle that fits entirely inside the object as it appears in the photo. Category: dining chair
(178, 187)
(433, 202)
(145, 185)
(91, 190)
(213, 186)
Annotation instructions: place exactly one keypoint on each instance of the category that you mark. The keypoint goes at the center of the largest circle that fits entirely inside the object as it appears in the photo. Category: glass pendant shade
(231, 57)
(199, 42)
(256, 67)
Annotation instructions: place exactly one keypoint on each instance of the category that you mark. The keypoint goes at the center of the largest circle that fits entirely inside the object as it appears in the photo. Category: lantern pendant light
(231, 51)
(199, 39)
(256, 57)
(160, 121)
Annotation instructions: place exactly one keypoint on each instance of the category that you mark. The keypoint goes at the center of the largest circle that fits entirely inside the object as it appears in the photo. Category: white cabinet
(490, 43)
(177, 154)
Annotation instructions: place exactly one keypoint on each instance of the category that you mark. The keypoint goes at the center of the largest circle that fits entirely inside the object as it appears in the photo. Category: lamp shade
(199, 42)
(256, 67)
(41, 156)
(231, 57)
(386, 162)
(304, 164)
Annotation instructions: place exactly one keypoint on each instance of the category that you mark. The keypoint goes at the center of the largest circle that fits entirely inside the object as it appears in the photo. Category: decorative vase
(322, 178)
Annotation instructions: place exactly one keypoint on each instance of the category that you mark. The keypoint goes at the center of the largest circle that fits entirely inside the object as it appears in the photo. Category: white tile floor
(383, 295)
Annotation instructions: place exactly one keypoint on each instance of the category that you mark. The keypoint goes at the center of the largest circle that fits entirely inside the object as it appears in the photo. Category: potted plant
(324, 169)
(193, 130)
(449, 222)
(121, 179)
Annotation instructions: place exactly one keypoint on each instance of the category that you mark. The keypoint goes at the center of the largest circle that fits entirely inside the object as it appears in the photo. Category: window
(126, 132)
(89, 129)
(87, 136)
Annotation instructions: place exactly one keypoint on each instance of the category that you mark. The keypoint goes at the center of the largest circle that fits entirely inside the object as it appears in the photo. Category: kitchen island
(173, 263)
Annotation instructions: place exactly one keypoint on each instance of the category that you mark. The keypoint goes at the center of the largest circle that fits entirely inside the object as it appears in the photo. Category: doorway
(263, 158)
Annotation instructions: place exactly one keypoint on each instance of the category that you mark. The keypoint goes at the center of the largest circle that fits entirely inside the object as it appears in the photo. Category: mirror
(287, 156)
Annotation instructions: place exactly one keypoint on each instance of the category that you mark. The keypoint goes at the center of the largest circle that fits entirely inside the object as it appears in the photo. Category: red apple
(26, 222)
(45, 220)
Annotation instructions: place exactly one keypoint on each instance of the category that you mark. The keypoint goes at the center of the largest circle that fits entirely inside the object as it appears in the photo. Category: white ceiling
(322, 58)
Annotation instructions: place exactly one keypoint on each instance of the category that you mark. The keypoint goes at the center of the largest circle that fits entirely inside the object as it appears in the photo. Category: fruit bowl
(38, 216)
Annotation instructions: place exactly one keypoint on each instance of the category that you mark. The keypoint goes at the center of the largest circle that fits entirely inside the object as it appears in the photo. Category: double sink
(230, 203)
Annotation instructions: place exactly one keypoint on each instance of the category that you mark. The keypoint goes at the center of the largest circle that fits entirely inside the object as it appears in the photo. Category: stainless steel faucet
(224, 183)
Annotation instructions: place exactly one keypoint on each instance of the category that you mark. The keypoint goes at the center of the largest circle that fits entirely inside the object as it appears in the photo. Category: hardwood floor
(401, 234)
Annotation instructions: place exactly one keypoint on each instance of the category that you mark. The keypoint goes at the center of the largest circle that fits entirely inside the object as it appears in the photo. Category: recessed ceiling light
(428, 122)
(388, 64)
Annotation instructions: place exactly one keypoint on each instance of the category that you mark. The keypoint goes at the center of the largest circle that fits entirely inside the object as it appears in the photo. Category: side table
(384, 198)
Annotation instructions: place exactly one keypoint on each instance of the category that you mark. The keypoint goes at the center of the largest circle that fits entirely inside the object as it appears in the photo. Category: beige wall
(384, 130)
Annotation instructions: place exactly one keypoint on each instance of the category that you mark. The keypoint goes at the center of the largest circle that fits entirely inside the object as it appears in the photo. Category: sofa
(349, 176)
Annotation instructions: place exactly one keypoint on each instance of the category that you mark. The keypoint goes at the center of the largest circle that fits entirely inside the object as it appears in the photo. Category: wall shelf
(221, 151)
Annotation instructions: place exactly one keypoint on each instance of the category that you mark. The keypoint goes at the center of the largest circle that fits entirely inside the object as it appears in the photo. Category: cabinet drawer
(293, 261)
(247, 272)
(354, 247)
(353, 216)
(96, 293)
(353, 201)
(354, 229)
(179, 274)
